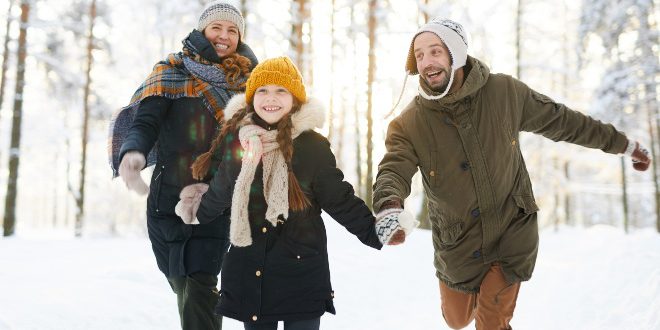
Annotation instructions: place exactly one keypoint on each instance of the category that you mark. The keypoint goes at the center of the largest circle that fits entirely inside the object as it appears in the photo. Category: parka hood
(476, 77)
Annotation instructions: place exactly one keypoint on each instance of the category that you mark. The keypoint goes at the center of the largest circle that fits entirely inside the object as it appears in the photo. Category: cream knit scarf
(258, 145)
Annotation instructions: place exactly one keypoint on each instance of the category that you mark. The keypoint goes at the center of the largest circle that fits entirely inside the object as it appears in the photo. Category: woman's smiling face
(224, 36)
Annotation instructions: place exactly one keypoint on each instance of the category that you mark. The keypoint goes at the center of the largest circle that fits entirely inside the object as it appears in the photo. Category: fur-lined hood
(310, 116)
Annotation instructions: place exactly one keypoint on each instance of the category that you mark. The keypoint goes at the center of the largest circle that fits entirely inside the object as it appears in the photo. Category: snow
(596, 278)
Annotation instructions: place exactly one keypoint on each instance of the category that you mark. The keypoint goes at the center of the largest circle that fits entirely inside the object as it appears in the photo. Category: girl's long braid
(201, 165)
(234, 66)
(297, 199)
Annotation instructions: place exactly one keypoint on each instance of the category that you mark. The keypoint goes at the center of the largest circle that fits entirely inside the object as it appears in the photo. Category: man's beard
(441, 86)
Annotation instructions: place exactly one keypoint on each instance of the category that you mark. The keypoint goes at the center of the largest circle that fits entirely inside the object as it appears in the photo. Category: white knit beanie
(451, 33)
(454, 37)
(221, 11)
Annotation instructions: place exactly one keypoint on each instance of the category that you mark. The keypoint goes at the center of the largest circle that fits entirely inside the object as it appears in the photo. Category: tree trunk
(423, 216)
(80, 202)
(648, 41)
(5, 54)
(425, 11)
(15, 144)
(567, 197)
(296, 40)
(624, 199)
(358, 151)
(373, 7)
(331, 107)
(244, 11)
(519, 13)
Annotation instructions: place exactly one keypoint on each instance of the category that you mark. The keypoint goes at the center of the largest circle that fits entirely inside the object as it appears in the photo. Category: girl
(275, 176)
(180, 105)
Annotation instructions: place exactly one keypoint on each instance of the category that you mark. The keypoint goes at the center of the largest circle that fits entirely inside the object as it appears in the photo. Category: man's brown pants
(492, 307)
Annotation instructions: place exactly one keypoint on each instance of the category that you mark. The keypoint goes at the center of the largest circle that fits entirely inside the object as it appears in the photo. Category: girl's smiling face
(272, 102)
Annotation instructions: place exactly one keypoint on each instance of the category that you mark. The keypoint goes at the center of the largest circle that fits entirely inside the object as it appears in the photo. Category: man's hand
(129, 169)
(393, 224)
(191, 197)
(639, 155)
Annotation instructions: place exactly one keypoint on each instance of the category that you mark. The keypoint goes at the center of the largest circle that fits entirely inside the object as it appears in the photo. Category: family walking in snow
(241, 178)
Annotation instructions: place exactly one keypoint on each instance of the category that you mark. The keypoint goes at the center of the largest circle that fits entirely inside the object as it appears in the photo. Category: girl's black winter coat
(284, 274)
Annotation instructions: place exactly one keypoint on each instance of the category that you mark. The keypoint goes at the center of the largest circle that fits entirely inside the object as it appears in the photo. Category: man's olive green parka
(481, 205)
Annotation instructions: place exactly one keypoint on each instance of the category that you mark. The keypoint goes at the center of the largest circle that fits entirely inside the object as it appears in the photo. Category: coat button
(432, 173)
(258, 273)
(476, 254)
(448, 121)
(254, 317)
(465, 166)
(475, 213)
(264, 230)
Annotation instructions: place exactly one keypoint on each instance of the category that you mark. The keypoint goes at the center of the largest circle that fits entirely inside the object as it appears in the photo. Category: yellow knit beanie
(276, 71)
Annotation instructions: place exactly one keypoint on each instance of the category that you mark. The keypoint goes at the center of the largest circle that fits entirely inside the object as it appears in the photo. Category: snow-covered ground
(597, 278)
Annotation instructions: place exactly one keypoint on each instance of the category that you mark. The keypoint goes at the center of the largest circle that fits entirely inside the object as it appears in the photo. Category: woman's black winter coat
(184, 129)
(284, 274)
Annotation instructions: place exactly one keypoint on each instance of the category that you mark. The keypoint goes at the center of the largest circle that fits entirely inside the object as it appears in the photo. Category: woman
(274, 178)
(176, 112)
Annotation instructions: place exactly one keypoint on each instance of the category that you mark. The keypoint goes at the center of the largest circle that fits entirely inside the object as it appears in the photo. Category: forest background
(68, 65)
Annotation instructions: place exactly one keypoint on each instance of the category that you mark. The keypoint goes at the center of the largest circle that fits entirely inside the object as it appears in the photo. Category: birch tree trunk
(5, 54)
(648, 41)
(373, 6)
(296, 40)
(331, 110)
(9, 222)
(624, 197)
(80, 202)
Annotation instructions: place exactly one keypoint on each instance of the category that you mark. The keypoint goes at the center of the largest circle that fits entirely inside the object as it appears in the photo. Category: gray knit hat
(221, 11)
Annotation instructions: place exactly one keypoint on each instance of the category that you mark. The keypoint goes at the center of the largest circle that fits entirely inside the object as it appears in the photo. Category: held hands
(639, 155)
(191, 197)
(393, 225)
(129, 170)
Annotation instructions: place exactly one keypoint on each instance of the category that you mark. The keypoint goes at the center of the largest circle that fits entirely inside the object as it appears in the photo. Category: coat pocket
(448, 231)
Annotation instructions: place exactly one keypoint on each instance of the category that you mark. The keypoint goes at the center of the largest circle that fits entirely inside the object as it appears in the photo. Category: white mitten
(191, 197)
(129, 169)
(408, 222)
(390, 221)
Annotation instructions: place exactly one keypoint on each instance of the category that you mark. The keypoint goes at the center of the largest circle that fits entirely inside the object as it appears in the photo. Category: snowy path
(584, 279)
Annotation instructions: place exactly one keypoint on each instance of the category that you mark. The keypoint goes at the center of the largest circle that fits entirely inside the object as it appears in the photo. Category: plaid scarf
(184, 74)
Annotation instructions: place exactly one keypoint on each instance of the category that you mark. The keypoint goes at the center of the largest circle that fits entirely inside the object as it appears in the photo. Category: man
(461, 131)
